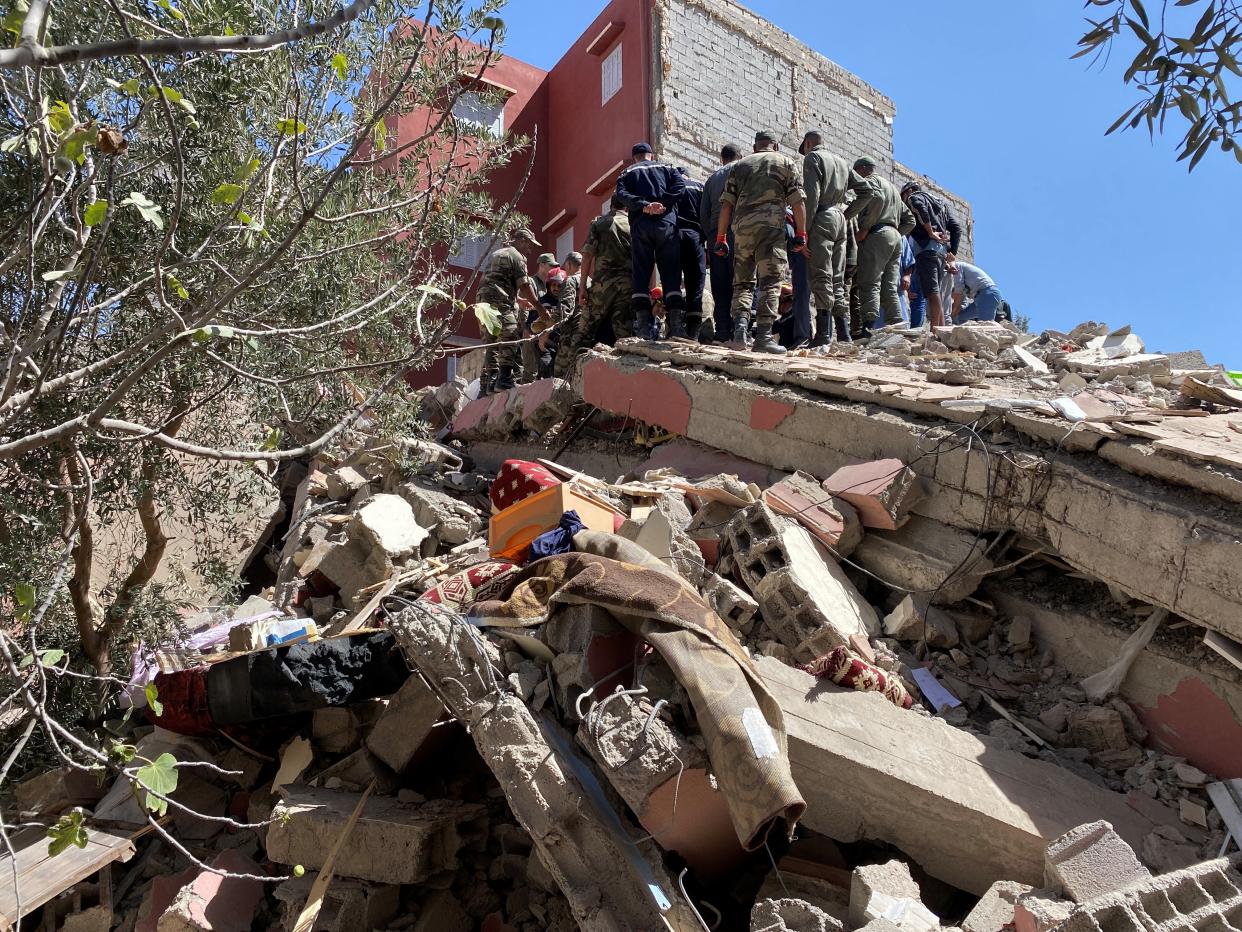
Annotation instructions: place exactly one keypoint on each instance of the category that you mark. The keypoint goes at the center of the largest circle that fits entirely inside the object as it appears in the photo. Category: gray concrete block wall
(721, 72)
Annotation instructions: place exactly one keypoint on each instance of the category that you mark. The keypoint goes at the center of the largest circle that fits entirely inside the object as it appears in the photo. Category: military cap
(813, 131)
(642, 148)
(865, 162)
(526, 234)
(574, 257)
(765, 135)
(547, 259)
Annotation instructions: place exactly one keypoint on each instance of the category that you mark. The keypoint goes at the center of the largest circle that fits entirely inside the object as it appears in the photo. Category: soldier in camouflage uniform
(505, 282)
(882, 222)
(754, 200)
(606, 262)
(826, 178)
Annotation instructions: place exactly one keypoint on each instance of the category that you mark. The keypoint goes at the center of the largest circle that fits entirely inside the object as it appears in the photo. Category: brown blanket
(741, 721)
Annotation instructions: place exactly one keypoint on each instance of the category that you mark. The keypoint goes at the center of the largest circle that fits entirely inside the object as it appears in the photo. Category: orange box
(511, 531)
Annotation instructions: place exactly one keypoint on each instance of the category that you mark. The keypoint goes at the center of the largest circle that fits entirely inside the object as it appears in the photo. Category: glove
(799, 242)
(722, 247)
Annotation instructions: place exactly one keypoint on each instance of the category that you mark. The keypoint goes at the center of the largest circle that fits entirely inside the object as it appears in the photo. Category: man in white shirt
(971, 282)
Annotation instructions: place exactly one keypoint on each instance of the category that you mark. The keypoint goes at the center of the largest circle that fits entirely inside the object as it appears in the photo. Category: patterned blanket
(740, 720)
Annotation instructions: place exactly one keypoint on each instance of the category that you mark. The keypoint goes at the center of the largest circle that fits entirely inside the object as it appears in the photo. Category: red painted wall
(588, 138)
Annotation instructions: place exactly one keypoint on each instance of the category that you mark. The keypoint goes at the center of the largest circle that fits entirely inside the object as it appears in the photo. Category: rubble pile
(796, 689)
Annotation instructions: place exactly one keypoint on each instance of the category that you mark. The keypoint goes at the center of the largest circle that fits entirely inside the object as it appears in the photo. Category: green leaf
(488, 318)
(158, 776)
(59, 118)
(272, 441)
(182, 292)
(153, 699)
(132, 87)
(212, 332)
(246, 170)
(14, 18)
(57, 275)
(494, 23)
(122, 753)
(290, 126)
(70, 829)
(24, 599)
(74, 145)
(432, 291)
(149, 210)
(95, 213)
(379, 136)
(172, 10)
(226, 194)
(11, 144)
(340, 64)
(1142, 13)
(49, 658)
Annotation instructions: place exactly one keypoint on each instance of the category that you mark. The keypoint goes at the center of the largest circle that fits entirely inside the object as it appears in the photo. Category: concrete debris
(791, 915)
(1089, 861)
(912, 509)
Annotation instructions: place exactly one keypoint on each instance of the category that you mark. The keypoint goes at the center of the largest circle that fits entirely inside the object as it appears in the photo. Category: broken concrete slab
(791, 915)
(215, 902)
(405, 724)
(883, 491)
(391, 843)
(453, 522)
(995, 909)
(800, 589)
(348, 905)
(876, 888)
(386, 524)
(1040, 911)
(870, 770)
(926, 557)
(1102, 731)
(914, 620)
(835, 523)
(1089, 861)
(344, 483)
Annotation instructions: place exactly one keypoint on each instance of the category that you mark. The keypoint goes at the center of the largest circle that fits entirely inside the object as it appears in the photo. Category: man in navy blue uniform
(650, 191)
(693, 255)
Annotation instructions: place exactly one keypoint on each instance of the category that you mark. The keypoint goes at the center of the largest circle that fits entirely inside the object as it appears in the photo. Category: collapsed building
(939, 631)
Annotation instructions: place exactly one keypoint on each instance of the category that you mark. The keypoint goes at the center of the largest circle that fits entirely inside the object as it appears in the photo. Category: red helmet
(557, 275)
(657, 293)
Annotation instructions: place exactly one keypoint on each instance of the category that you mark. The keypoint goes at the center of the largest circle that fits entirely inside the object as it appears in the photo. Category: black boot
(741, 333)
(504, 381)
(694, 327)
(676, 324)
(843, 329)
(644, 321)
(765, 342)
(823, 330)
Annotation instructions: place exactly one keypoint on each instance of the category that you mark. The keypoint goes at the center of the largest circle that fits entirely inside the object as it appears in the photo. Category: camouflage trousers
(497, 356)
(760, 251)
(878, 275)
(827, 263)
(608, 298)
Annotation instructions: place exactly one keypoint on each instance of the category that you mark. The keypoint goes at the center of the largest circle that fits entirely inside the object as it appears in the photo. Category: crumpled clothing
(740, 720)
(845, 668)
(558, 540)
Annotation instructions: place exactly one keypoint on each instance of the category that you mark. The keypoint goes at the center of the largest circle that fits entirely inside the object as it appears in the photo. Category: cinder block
(1089, 861)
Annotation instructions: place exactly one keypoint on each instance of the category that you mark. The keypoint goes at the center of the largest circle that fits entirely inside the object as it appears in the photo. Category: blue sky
(1073, 225)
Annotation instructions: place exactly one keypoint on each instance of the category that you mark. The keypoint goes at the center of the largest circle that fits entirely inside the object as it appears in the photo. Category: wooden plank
(41, 877)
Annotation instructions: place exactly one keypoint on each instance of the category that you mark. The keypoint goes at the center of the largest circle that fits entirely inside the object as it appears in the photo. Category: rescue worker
(607, 270)
(693, 257)
(826, 179)
(756, 194)
(573, 283)
(555, 304)
(511, 292)
(937, 236)
(651, 190)
(720, 267)
(882, 222)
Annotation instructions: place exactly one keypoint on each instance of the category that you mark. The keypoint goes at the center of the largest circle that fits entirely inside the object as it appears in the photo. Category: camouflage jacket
(609, 243)
(503, 275)
(760, 187)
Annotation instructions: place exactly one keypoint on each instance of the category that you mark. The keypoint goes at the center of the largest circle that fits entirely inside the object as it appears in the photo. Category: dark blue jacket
(644, 183)
(689, 206)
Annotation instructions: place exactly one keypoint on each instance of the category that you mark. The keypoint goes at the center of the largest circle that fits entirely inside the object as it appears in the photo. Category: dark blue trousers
(656, 245)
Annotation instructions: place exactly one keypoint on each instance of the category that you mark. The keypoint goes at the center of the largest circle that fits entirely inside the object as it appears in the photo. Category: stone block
(1089, 861)
(95, 919)
(883, 491)
(733, 604)
(344, 483)
(339, 729)
(452, 521)
(349, 567)
(926, 556)
(874, 888)
(914, 620)
(53, 792)
(835, 523)
(386, 524)
(800, 589)
(1102, 731)
(966, 811)
(995, 908)
(791, 915)
(348, 905)
(212, 902)
(404, 724)
(1038, 911)
(392, 842)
